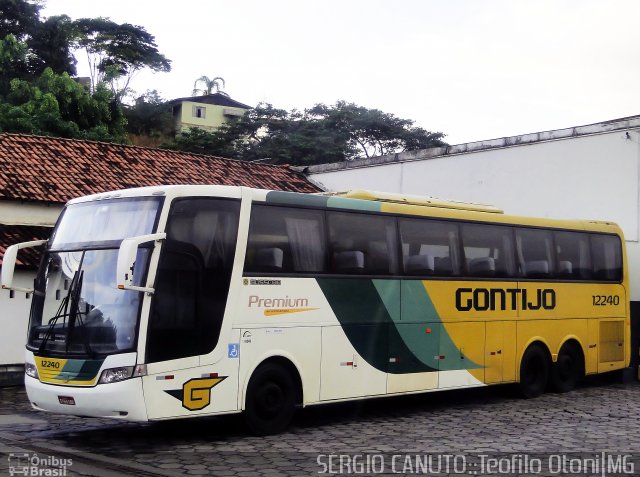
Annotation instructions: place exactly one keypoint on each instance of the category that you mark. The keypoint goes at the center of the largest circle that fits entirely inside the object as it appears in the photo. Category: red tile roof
(37, 168)
(10, 234)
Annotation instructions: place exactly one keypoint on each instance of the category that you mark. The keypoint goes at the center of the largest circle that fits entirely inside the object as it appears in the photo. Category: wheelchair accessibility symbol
(234, 350)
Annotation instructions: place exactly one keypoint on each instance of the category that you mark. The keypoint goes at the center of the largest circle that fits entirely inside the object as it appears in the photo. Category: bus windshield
(77, 308)
(104, 223)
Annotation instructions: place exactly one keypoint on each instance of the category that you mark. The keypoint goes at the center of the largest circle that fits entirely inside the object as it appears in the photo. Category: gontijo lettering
(484, 299)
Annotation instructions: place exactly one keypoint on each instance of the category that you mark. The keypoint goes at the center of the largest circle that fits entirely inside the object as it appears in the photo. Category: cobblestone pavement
(599, 417)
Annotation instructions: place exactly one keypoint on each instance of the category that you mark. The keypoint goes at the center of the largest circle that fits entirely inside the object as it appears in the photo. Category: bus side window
(607, 257)
(362, 244)
(285, 240)
(534, 250)
(429, 247)
(488, 250)
(573, 255)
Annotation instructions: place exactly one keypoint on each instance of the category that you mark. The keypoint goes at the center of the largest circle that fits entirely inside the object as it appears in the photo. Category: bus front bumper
(122, 400)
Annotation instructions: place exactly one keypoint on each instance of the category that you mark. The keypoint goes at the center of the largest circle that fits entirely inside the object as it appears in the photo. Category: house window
(199, 112)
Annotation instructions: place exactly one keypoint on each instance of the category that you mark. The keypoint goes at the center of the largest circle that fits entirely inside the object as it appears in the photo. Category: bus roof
(360, 199)
(409, 199)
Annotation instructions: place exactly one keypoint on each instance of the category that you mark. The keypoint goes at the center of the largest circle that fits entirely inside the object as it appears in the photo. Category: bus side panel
(500, 351)
(193, 391)
(344, 372)
(461, 354)
(553, 333)
(299, 345)
(611, 353)
(591, 313)
(591, 358)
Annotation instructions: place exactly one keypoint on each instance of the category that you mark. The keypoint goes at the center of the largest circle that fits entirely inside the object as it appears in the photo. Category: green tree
(14, 56)
(371, 132)
(58, 105)
(19, 18)
(317, 135)
(51, 44)
(49, 41)
(37, 93)
(149, 119)
(116, 52)
(207, 85)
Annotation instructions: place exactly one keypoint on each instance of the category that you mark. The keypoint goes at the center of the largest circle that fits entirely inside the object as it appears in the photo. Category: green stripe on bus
(293, 198)
(321, 201)
(393, 325)
(80, 369)
(368, 324)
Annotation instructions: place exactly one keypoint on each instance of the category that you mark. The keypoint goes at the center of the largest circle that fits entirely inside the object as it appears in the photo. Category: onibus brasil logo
(35, 465)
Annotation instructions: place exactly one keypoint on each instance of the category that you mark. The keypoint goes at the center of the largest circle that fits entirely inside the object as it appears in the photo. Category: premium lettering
(485, 299)
(286, 302)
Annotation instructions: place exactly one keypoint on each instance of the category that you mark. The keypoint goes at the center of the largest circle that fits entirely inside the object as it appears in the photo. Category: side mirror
(127, 261)
(9, 264)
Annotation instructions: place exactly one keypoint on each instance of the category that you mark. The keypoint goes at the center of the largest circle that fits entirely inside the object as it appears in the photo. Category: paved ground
(600, 421)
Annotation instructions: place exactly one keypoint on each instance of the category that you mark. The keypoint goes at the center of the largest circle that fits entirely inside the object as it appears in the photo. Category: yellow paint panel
(553, 333)
(611, 341)
(443, 295)
(500, 352)
(591, 357)
(574, 300)
(49, 371)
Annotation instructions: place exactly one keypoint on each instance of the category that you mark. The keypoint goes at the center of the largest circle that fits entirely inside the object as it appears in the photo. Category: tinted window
(284, 240)
(607, 257)
(488, 250)
(534, 250)
(193, 278)
(573, 255)
(362, 244)
(429, 247)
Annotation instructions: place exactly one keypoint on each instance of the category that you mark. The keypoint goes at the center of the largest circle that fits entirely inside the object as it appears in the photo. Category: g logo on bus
(196, 393)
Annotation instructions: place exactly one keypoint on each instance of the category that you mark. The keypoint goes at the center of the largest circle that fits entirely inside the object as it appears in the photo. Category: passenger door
(187, 309)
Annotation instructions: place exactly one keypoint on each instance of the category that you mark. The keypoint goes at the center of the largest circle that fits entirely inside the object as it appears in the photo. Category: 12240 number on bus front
(606, 300)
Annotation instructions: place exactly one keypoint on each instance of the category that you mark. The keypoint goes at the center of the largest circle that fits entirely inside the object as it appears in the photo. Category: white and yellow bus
(183, 301)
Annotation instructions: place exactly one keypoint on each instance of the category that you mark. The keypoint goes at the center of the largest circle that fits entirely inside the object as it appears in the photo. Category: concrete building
(38, 175)
(207, 112)
(583, 172)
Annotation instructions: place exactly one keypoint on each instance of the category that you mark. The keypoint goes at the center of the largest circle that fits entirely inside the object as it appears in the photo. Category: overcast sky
(472, 69)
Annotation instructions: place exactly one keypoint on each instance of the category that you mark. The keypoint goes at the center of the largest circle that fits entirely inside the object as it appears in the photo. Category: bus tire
(534, 371)
(568, 370)
(270, 401)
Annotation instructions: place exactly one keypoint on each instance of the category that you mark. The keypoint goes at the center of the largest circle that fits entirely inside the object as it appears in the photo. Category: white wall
(14, 312)
(585, 177)
(20, 213)
(14, 319)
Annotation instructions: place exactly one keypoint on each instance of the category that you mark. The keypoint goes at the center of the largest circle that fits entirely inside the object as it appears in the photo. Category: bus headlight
(114, 375)
(31, 370)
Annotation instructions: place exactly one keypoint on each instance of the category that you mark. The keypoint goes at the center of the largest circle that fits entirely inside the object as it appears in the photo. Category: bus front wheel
(270, 400)
(534, 371)
(568, 369)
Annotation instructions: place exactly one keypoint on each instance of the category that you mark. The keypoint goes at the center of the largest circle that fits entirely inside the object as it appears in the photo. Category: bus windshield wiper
(61, 313)
(75, 315)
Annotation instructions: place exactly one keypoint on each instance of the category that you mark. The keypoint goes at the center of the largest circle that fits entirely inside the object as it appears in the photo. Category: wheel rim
(270, 400)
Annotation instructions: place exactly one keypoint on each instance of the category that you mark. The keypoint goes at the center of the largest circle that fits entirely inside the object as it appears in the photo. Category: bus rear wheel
(568, 370)
(270, 400)
(534, 372)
